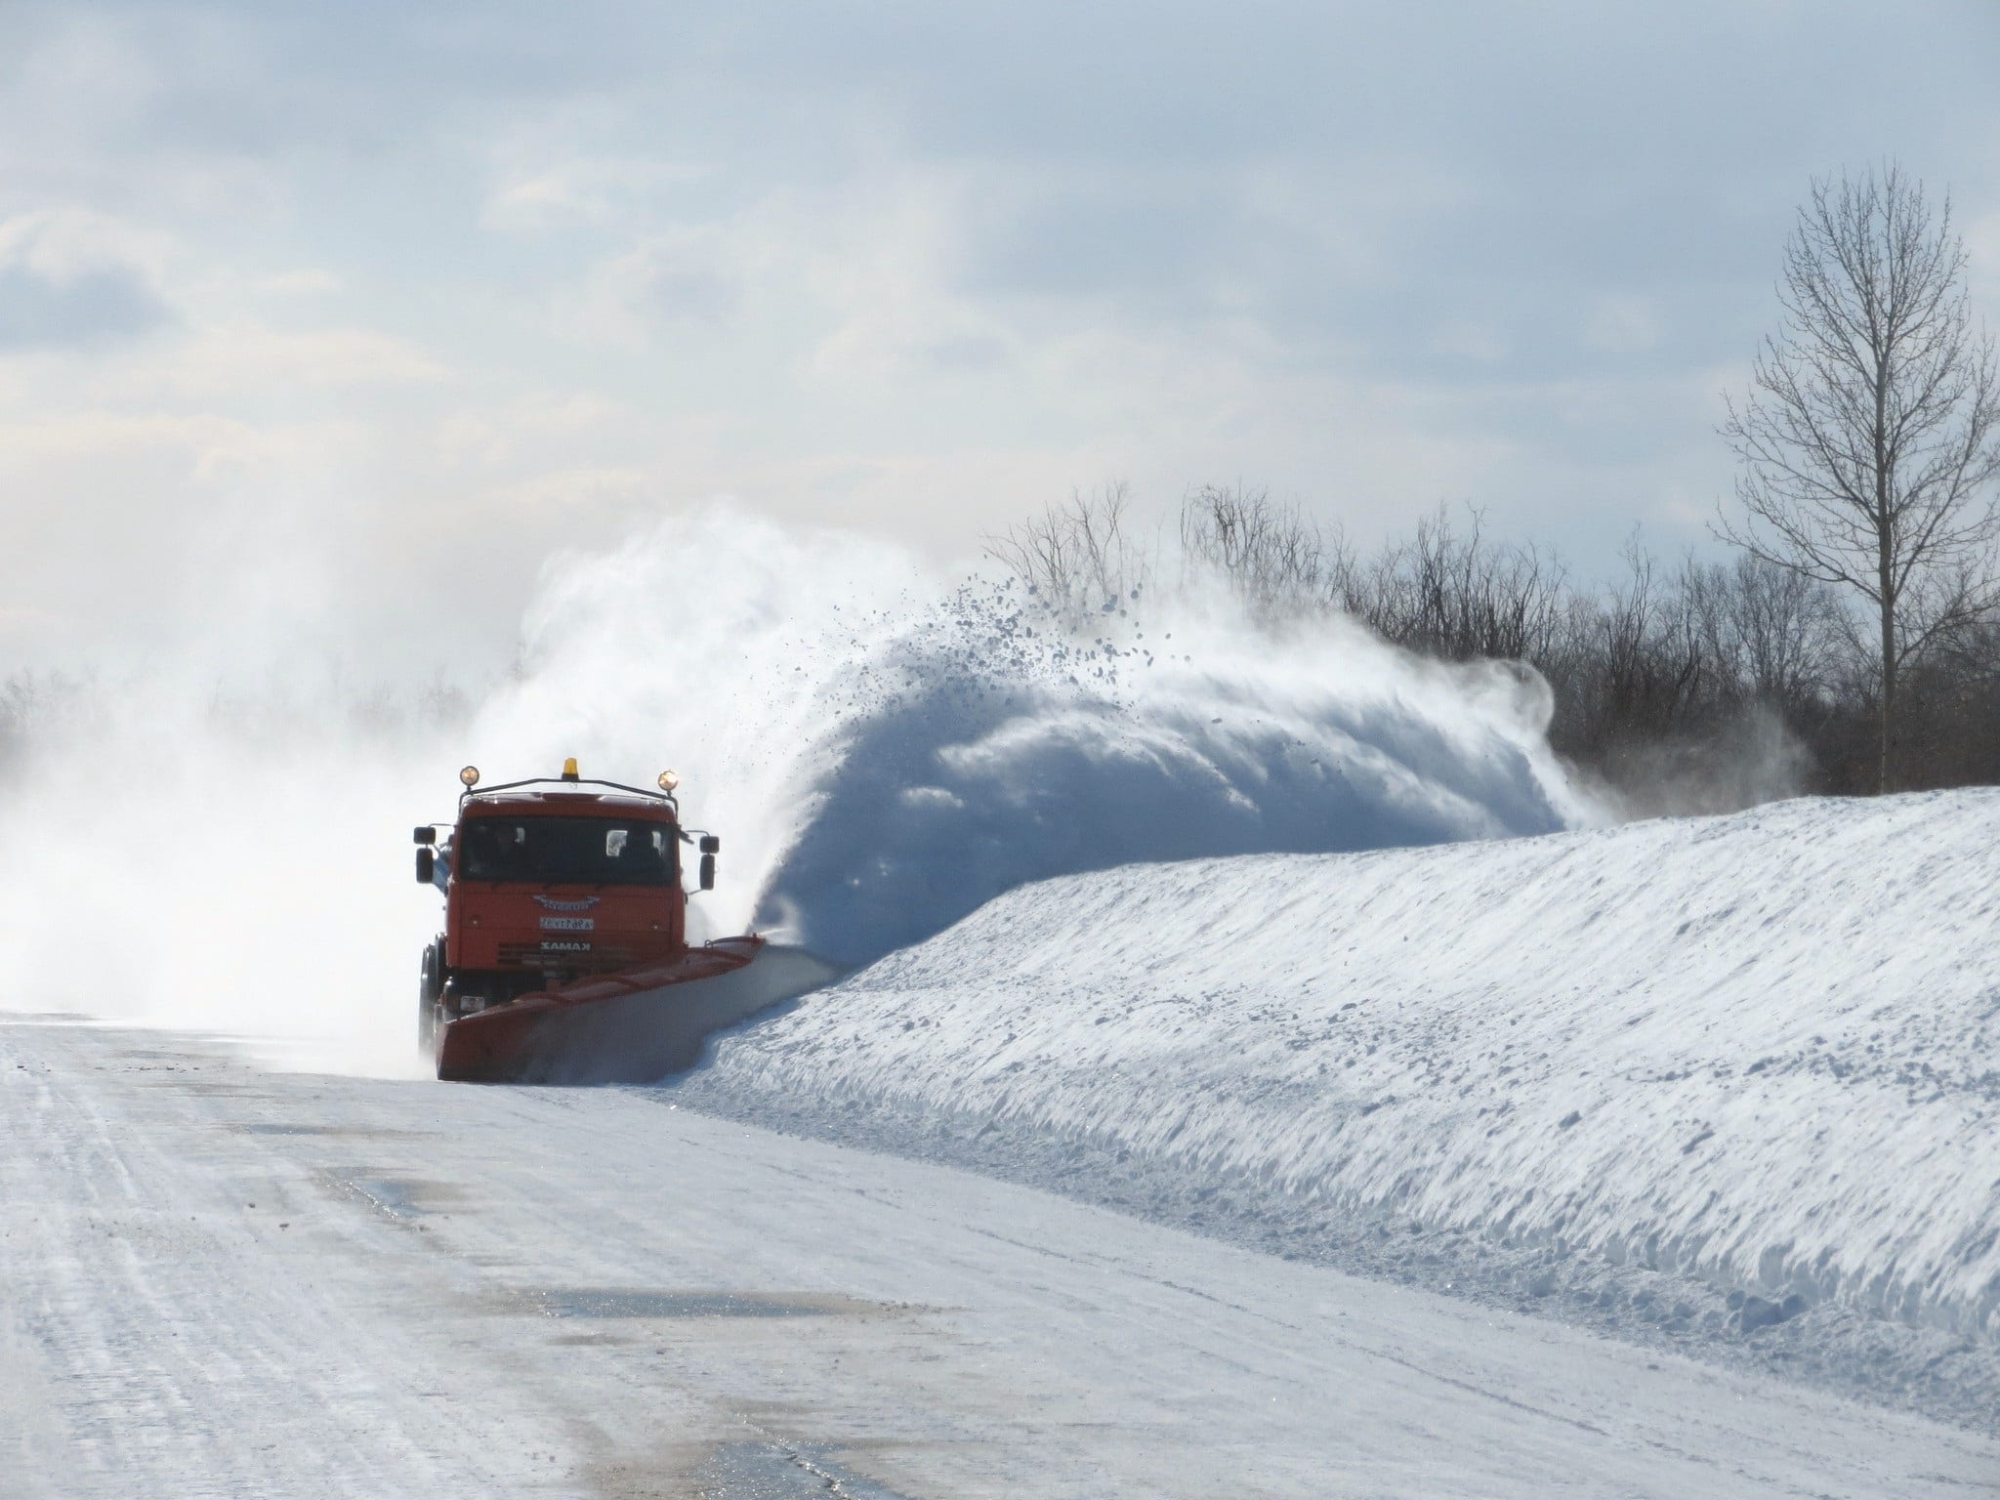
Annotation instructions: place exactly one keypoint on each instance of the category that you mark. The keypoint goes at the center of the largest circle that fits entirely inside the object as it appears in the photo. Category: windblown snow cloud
(884, 754)
(879, 751)
(1000, 755)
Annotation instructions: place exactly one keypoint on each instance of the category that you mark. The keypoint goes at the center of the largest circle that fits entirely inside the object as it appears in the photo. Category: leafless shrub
(1455, 595)
(1076, 558)
(1776, 632)
(1282, 565)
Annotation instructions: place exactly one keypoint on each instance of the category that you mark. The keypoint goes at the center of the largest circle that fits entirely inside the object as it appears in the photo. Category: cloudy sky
(350, 315)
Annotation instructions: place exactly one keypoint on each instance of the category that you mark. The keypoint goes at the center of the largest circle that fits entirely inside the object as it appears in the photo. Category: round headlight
(668, 781)
(470, 776)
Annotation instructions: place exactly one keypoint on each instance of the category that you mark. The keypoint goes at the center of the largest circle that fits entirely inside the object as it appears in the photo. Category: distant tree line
(1688, 686)
(1697, 684)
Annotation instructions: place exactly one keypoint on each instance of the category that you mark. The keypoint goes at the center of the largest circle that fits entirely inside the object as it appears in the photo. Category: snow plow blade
(632, 1027)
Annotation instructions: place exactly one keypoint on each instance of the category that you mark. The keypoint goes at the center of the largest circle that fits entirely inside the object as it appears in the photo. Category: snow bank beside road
(1756, 1049)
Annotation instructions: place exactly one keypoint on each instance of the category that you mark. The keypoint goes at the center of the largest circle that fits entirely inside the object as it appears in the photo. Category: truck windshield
(565, 851)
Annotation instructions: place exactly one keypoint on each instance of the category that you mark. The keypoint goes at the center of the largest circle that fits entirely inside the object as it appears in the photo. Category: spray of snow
(884, 756)
(881, 753)
(229, 867)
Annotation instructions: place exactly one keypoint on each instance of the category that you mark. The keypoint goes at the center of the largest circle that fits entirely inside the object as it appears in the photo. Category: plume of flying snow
(226, 846)
(883, 757)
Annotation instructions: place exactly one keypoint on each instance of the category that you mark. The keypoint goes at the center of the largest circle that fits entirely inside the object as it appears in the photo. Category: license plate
(569, 924)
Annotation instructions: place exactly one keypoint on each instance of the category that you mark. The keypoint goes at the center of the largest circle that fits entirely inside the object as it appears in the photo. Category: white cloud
(698, 275)
(482, 439)
(1481, 343)
(1982, 245)
(538, 202)
(203, 448)
(64, 243)
(536, 193)
(304, 282)
(71, 278)
(570, 491)
(1621, 324)
(250, 360)
(883, 272)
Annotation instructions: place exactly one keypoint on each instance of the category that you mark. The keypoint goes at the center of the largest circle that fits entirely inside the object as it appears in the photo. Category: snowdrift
(1758, 1049)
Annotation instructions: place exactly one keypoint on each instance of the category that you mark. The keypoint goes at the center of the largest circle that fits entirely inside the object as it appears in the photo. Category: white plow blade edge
(642, 1037)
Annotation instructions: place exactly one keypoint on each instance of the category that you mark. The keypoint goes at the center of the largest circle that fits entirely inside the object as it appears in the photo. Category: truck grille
(564, 952)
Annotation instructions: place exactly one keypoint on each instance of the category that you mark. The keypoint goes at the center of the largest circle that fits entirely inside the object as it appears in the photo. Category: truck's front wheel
(430, 990)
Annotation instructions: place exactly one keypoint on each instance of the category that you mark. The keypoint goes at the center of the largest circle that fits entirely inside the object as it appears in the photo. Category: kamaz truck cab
(550, 881)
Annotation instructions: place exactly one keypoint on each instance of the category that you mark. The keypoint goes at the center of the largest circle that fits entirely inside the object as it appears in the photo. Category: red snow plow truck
(564, 956)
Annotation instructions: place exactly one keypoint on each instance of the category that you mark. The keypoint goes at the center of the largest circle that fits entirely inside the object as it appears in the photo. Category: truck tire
(430, 990)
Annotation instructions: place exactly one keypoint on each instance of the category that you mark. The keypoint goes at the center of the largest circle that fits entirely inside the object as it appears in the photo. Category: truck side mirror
(427, 835)
(426, 864)
(707, 871)
(710, 844)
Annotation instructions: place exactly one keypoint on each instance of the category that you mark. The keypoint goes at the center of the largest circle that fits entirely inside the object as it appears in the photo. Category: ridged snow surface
(1763, 1049)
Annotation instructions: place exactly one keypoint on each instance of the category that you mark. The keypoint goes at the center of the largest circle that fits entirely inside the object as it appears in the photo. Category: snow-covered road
(226, 1281)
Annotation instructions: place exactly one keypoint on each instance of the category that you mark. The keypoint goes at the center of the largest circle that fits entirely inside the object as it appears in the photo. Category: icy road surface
(223, 1281)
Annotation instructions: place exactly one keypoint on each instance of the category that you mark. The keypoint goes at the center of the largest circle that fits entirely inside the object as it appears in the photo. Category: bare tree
(1076, 558)
(1873, 423)
(1461, 597)
(1282, 564)
(1775, 633)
